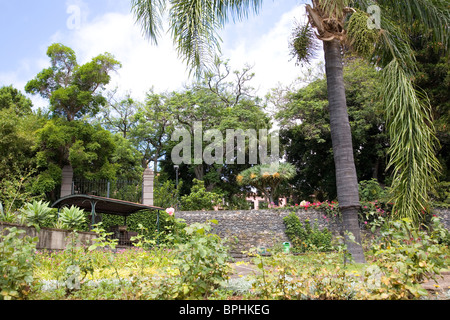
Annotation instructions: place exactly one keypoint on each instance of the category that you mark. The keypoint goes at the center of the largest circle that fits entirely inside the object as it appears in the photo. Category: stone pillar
(67, 179)
(147, 187)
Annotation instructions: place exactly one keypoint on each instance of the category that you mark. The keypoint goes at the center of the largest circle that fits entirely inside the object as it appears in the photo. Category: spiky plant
(72, 218)
(266, 178)
(37, 213)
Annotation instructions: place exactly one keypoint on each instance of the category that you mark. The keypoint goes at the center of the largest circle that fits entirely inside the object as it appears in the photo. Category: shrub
(37, 213)
(404, 257)
(16, 264)
(200, 267)
(284, 277)
(72, 218)
(306, 238)
(199, 198)
(370, 190)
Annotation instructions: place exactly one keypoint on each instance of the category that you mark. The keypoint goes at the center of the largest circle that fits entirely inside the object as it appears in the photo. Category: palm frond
(413, 142)
(194, 25)
(434, 14)
(236, 9)
(149, 14)
(194, 28)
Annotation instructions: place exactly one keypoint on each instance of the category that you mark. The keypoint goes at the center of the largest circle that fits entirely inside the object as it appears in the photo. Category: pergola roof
(103, 205)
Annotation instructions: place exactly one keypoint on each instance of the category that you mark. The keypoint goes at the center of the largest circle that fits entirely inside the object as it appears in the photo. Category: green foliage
(17, 152)
(442, 196)
(199, 198)
(286, 277)
(72, 218)
(370, 190)
(14, 195)
(93, 152)
(199, 268)
(73, 89)
(16, 264)
(166, 194)
(306, 136)
(13, 99)
(37, 213)
(306, 238)
(266, 178)
(411, 150)
(404, 257)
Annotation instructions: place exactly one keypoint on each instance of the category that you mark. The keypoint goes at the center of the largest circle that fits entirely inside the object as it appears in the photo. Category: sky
(93, 27)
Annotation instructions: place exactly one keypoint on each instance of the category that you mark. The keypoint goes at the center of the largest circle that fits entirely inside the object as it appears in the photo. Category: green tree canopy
(72, 89)
(11, 98)
(306, 136)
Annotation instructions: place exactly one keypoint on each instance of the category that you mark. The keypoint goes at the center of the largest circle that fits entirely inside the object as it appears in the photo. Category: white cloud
(269, 53)
(145, 65)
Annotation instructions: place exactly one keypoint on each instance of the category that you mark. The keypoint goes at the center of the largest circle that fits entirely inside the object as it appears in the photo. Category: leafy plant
(16, 264)
(37, 213)
(199, 268)
(199, 198)
(370, 190)
(404, 257)
(72, 218)
(306, 238)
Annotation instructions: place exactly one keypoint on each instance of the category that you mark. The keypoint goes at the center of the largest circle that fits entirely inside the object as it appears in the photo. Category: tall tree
(267, 179)
(154, 123)
(194, 25)
(119, 114)
(221, 100)
(11, 98)
(73, 90)
(305, 134)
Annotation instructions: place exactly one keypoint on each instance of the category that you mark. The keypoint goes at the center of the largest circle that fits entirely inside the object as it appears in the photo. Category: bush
(16, 264)
(306, 238)
(403, 257)
(200, 267)
(370, 190)
(72, 218)
(199, 198)
(37, 213)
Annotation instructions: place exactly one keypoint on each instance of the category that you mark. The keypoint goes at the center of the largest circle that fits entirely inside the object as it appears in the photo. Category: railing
(128, 190)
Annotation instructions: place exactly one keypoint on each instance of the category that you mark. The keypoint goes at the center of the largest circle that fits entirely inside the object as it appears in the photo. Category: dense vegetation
(106, 137)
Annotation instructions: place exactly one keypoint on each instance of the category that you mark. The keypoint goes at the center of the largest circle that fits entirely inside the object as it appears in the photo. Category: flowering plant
(170, 211)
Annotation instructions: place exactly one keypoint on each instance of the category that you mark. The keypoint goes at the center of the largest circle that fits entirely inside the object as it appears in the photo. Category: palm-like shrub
(72, 218)
(37, 213)
(267, 177)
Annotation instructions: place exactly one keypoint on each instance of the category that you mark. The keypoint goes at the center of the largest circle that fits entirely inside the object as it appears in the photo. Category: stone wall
(247, 229)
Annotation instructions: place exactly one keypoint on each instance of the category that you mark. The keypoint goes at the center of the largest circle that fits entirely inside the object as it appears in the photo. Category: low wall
(51, 239)
(244, 229)
(247, 229)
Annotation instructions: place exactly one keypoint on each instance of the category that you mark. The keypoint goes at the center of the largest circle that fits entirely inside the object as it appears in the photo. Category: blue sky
(28, 27)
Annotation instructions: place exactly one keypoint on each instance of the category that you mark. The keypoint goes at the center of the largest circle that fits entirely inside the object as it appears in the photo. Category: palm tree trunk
(346, 179)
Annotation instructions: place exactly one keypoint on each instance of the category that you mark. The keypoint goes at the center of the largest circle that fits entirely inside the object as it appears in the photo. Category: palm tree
(340, 24)
(266, 178)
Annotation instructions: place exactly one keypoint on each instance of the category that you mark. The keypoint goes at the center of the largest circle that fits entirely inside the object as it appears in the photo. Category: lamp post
(176, 167)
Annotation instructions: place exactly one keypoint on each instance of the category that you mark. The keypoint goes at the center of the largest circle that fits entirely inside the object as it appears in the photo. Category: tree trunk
(346, 179)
